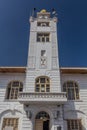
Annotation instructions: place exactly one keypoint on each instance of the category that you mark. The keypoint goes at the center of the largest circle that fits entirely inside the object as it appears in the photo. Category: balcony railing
(30, 97)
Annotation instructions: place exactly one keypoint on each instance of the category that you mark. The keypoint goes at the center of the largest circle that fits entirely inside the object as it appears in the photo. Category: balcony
(36, 98)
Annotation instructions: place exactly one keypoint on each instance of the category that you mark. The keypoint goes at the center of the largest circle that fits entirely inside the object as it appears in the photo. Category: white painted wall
(77, 109)
(10, 108)
(72, 109)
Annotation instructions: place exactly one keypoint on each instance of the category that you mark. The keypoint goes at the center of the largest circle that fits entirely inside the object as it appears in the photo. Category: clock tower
(42, 96)
(43, 51)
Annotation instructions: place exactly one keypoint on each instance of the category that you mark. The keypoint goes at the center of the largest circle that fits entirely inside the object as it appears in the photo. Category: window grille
(74, 124)
(72, 90)
(10, 124)
(43, 37)
(13, 88)
(42, 84)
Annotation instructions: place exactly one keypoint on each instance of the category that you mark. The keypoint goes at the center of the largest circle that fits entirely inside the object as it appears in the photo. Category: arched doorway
(42, 121)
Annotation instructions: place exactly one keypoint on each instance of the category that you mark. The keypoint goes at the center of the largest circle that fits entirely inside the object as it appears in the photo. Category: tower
(43, 51)
(42, 96)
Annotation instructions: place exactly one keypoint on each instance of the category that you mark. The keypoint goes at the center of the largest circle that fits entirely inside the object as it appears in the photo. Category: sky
(72, 30)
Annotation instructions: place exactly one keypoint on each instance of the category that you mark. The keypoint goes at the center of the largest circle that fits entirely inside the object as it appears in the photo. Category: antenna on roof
(33, 12)
(54, 13)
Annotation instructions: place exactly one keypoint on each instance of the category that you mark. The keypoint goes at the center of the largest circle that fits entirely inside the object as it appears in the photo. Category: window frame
(13, 90)
(73, 123)
(43, 37)
(43, 53)
(42, 86)
(43, 24)
(11, 121)
(74, 90)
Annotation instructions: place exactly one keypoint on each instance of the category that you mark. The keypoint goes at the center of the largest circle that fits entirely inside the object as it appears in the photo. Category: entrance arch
(42, 121)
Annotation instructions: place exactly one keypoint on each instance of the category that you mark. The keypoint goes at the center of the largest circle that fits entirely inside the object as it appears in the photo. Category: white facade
(42, 104)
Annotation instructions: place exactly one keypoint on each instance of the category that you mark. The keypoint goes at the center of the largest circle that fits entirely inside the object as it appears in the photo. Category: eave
(63, 70)
(73, 70)
(12, 69)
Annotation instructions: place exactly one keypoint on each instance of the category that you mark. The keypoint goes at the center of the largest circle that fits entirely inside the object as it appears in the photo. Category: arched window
(72, 90)
(42, 84)
(13, 88)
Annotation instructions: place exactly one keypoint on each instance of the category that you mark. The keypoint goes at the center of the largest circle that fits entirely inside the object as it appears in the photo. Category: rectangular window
(72, 90)
(43, 37)
(59, 128)
(43, 88)
(74, 124)
(37, 88)
(43, 24)
(42, 80)
(47, 88)
(43, 52)
(10, 124)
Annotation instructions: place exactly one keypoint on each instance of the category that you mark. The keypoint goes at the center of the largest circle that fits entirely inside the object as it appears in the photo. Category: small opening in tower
(43, 37)
(43, 24)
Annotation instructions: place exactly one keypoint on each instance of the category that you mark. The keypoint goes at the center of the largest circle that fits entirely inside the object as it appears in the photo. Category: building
(42, 96)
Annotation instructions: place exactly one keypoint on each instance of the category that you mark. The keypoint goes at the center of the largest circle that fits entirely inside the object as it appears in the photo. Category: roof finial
(43, 11)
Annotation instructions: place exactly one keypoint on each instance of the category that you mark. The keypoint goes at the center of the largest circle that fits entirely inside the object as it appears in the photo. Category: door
(42, 121)
(46, 125)
(38, 124)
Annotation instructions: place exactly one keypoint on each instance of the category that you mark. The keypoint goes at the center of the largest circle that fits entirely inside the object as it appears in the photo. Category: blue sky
(72, 30)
